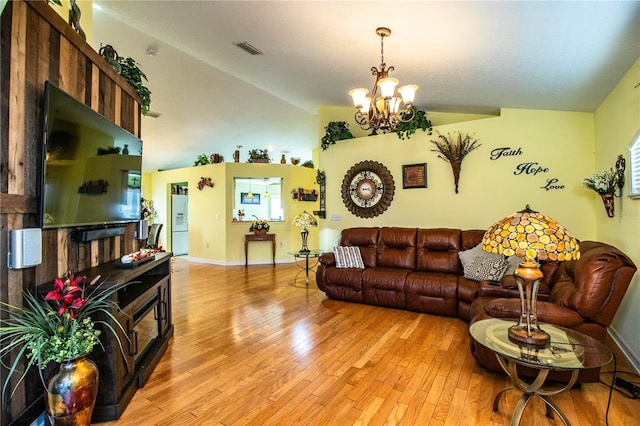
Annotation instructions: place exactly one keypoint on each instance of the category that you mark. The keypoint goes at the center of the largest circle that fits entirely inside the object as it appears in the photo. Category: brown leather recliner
(583, 295)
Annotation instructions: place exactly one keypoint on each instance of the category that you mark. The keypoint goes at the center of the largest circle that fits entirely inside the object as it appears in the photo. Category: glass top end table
(305, 267)
(567, 350)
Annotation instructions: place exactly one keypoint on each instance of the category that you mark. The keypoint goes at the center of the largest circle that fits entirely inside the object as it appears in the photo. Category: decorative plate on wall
(367, 189)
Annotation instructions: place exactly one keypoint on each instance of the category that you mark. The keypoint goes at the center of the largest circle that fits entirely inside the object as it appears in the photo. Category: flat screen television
(92, 167)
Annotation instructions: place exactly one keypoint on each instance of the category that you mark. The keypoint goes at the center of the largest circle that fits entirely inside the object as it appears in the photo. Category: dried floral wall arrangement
(453, 149)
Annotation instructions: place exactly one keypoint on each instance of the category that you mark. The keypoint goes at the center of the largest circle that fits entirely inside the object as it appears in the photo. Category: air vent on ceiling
(247, 48)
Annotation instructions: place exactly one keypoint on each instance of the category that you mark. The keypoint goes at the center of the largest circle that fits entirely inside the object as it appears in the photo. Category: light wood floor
(250, 347)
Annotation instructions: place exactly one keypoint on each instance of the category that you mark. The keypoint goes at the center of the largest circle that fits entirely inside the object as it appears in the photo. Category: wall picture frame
(414, 176)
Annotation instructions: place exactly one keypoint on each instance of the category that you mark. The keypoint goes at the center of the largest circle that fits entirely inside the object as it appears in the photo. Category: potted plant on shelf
(201, 160)
(335, 131)
(259, 156)
(59, 328)
(259, 226)
(309, 164)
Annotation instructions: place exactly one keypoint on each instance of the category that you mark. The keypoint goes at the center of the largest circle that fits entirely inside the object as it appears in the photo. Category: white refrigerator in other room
(179, 224)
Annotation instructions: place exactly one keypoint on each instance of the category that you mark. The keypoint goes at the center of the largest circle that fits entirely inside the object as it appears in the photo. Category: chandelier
(383, 112)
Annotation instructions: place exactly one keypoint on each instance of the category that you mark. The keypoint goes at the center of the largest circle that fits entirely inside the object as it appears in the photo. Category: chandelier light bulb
(387, 86)
(366, 105)
(359, 97)
(408, 93)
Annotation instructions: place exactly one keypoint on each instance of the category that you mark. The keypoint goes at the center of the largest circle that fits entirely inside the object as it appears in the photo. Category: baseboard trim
(625, 349)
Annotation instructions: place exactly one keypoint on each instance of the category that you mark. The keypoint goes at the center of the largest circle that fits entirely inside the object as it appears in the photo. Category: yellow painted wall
(562, 142)
(617, 122)
(213, 235)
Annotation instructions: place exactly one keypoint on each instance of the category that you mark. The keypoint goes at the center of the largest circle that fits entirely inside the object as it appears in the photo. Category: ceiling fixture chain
(383, 113)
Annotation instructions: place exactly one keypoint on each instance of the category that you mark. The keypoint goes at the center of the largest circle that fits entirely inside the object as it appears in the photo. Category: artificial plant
(201, 160)
(404, 130)
(335, 131)
(133, 74)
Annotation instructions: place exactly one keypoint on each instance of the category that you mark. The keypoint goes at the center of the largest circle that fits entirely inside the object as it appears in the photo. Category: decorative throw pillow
(483, 268)
(348, 257)
(468, 256)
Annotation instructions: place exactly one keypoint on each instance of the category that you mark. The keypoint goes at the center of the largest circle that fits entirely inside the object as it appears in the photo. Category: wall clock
(367, 189)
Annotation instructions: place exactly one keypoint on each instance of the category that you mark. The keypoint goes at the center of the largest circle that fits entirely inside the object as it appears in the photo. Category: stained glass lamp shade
(531, 235)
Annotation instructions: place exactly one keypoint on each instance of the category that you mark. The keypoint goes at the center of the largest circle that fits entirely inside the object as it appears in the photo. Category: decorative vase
(607, 199)
(260, 231)
(283, 160)
(71, 393)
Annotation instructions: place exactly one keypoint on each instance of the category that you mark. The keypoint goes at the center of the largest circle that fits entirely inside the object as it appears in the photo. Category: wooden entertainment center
(38, 45)
(145, 315)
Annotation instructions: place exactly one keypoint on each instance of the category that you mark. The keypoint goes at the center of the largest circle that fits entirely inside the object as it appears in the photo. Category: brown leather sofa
(420, 270)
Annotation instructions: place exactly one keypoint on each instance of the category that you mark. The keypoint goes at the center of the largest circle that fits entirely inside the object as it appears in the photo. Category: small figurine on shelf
(240, 215)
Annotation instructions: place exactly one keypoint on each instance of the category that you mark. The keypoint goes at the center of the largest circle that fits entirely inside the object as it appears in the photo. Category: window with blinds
(634, 167)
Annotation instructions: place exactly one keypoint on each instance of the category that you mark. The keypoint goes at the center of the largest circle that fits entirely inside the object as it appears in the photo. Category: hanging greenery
(420, 121)
(133, 74)
(335, 131)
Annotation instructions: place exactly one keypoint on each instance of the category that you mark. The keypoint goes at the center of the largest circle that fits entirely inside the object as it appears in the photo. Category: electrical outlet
(335, 217)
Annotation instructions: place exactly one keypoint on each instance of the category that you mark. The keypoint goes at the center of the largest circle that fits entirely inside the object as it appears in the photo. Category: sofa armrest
(327, 259)
(547, 312)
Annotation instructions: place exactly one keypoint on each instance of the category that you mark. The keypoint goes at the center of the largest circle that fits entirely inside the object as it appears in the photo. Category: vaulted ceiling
(474, 56)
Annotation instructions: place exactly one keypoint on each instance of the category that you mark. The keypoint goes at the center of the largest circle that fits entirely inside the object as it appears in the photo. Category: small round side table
(568, 350)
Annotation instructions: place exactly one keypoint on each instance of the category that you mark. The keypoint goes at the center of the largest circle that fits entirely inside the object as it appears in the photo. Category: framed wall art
(414, 176)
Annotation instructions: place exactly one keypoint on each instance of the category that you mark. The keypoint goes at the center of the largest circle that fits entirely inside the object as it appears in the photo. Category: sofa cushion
(348, 257)
(343, 284)
(432, 292)
(366, 239)
(385, 286)
(397, 248)
(437, 250)
(482, 268)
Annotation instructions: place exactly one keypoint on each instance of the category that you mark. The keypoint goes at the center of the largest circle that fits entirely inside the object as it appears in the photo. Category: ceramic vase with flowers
(605, 185)
(58, 328)
(259, 226)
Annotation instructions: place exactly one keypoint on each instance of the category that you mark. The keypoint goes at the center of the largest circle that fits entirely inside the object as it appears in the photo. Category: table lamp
(305, 220)
(531, 235)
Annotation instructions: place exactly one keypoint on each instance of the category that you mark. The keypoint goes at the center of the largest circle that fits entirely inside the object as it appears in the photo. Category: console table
(568, 350)
(259, 237)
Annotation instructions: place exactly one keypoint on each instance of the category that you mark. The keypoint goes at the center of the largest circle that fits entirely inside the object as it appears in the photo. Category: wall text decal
(528, 168)
(552, 184)
(531, 168)
(504, 152)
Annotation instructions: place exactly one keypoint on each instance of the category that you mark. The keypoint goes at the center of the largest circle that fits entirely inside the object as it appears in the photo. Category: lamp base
(535, 337)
